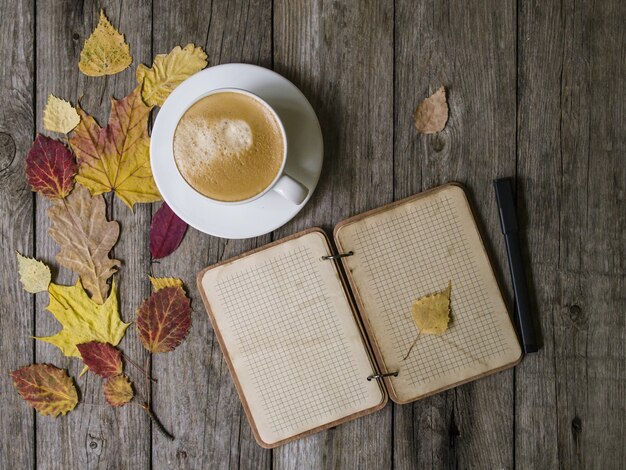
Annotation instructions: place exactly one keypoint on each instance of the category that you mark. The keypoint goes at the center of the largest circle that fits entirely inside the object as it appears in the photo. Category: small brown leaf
(431, 114)
(118, 390)
(101, 358)
(164, 319)
(46, 388)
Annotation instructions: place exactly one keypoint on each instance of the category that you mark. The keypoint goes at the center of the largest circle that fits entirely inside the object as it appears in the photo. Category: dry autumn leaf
(167, 230)
(162, 282)
(50, 168)
(80, 227)
(168, 71)
(105, 52)
(118, 390)
(431, 114)
(117, 157)
(59, 116)
(164, 319)
(46, 388)
(101, 358)
(431, 313)
(34, 275)
(82, 319)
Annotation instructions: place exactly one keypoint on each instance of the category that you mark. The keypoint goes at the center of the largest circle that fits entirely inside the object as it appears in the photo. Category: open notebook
(299, 351)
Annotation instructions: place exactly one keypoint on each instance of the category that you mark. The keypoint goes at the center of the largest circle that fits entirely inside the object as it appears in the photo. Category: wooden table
(536, 90)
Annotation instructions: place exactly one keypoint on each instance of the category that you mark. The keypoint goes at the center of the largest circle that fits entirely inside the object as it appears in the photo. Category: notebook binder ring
(381, 376)
(338, 255)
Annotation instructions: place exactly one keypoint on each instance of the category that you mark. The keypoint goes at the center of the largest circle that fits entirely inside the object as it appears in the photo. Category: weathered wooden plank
(571, 162)
(195, 395)
(467, 47)
(340, 54)
(17, 446)
(94, 435)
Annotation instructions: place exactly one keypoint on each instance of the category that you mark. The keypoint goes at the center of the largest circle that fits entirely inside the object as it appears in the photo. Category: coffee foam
(228, 146)
(203, 142)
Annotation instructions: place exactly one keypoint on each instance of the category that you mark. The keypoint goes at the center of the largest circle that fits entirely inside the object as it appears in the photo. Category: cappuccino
(229, 146)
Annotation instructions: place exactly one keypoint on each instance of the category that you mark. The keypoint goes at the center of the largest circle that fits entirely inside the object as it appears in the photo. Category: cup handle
(291, 189)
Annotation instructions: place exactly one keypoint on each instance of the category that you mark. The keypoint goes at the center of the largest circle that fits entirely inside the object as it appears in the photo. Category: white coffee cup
(283, 184)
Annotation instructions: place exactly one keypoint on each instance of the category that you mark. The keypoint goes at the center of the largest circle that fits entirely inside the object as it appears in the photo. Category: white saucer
(304, 160)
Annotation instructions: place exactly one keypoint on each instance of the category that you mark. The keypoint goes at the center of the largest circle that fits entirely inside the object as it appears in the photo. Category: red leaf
(166, 232)
(164, 319)
(46, 388)
(118, 390)
(50, 168)
(101, 358)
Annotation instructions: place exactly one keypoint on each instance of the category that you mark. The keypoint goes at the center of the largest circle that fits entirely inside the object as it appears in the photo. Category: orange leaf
(117, 157)
(46, 388)
(118, 390)
(164, 319)
(431, 114)
(101, 358)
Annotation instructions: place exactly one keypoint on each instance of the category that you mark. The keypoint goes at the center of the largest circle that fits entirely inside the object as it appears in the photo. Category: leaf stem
(411, 348)
(157, 423)
(130, 361)
(147, 371)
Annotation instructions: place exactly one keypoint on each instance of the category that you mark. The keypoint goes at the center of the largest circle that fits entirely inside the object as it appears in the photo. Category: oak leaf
(431, 114)
(34, 275)
(46, 388)
(162, 282)
(118, 390)
(59, 116)
(164, 319)
(50, 168)
(80, 227)
(117, 157)
(105, 51)
(82, 319)
(101, 358)
(168, 71)
(431, 313)
(167, 230)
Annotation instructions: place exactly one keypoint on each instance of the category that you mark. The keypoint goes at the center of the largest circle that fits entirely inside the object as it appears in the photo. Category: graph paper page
(291, 336)
(415, 249)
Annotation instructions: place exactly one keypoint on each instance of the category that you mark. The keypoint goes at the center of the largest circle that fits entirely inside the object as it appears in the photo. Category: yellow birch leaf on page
(162, 282)
(168, 71)
(431, 313)
(34, 275)
(82, 319)
(59, 116)
(117, 157)
(105, 52)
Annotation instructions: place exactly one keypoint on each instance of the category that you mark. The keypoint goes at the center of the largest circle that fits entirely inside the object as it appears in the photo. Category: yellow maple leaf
(83, 320)
(105, 52)
(59, 115)
(162, 282)
(168, 71)
(117, 157)
(34, 275)
(431, 313)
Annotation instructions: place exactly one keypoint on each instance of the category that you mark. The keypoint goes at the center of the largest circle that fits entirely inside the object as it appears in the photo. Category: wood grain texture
(340, 54)
(96, 436)
(195, 395)
(467, 47)
(17, 430)
(536, 90)
(572, 178)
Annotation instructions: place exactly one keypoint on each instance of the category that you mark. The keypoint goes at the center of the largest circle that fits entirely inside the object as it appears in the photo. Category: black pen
(508, 222)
